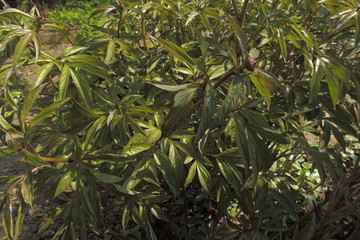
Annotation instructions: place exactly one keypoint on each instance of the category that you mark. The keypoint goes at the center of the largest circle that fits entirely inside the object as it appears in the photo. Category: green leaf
(337, 66)
(42, 73)
(93, 130)
(282, 42)
(159, 213)
(26, 192)
(6, 127)
(308, 231)
(178, 52)
(204, 177)
(272, 82)
(35, 160)
(72, 50)
(228, 174)
(19, 219)
(123, 190)
(184, 97)
(305, 35)
(269, 134)
(9, 95)
(91, 61)
(357, 30)
(317, 75)
(208, 111)
(64, 183)
(241, 142)
(240, 35)
(7, 219)
(91, 69)
(344, 124)
(232, 97)
(29, 101)
(172, 88)
(134, 149)
(191, 174)
(107, 178)
(189, 151)
(17, 12)
(110, 52)
(168, 171)
(19, 49)
(62, 30)
(82, 86)
(286, 204)
(46, 112)
(333, 86)
(37, 45)
(6, 152)
(48, 221)
(152, 135)
(64, 81)
(338, 136)
(260, 84)
(86, 111)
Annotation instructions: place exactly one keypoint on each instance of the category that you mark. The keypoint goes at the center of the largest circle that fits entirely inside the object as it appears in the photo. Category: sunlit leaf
(64, 183)
(183, 97)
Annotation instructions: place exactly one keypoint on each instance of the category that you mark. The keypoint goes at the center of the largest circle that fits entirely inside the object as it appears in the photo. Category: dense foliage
(76, 15)
(192, 119)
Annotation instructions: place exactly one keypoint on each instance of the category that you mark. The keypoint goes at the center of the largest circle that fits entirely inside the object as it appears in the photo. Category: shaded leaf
(107, 178)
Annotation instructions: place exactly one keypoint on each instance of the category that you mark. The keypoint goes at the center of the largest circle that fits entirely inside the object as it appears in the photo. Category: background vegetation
(190, 119)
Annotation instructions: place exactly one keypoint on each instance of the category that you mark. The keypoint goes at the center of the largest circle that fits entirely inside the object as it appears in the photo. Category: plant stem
(235, 9)
(243, 12)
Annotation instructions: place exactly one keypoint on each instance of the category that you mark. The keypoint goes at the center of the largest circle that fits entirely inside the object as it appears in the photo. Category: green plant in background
(191, 119)
(76, 15)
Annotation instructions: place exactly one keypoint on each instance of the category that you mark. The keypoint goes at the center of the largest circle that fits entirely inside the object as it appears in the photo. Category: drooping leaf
(191, 174)
(6, 127)
(64, 183)
(183, 97)
(64, 81)
(19, 49)
(42, 73)
(19, 219)
(208, 110)
(239, 34)
(7, 219)
(83, 87)
(17, 12)
(107, 178)
(37, 45)
(35, 160)
(204, 177)
(110, 52)
(29, 101)
(46, 112)
(159, 213)
(168, 171)
(171, 88)
(178, 52)
(135, 148)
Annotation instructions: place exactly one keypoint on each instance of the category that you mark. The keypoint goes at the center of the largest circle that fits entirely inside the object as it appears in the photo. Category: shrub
(190, 119)
(76, 15)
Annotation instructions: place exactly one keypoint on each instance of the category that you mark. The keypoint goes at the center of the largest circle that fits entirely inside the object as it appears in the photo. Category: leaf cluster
(193, 119)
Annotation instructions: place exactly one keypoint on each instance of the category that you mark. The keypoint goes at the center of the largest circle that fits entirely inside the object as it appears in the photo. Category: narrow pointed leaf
(64, 183)
(42, 73)
(177, 52)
